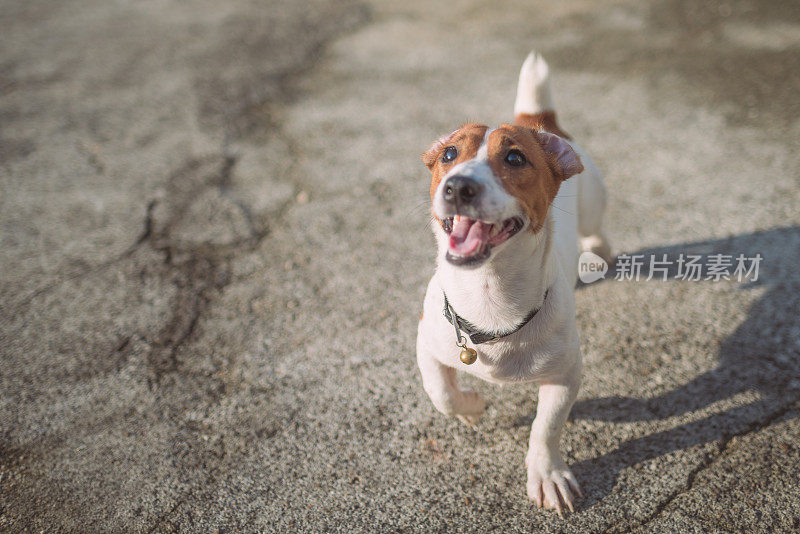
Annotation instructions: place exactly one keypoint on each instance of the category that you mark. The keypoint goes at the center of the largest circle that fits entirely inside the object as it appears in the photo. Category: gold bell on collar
(468, 355)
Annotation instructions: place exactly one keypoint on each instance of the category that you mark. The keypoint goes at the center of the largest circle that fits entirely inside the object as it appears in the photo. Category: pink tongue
(468, 236)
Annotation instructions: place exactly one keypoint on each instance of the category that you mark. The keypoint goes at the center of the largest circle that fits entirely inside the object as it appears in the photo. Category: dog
(508, 206)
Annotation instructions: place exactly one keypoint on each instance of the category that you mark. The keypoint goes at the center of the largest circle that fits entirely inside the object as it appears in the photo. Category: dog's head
(489, 185)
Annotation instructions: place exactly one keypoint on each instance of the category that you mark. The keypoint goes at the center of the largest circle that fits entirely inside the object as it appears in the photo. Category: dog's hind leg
(441, 385)
(591, 205)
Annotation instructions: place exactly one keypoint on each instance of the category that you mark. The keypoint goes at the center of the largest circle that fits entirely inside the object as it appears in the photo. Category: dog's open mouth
(471, 240)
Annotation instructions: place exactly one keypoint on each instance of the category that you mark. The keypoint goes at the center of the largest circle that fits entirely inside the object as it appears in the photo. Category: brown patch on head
(466, 141)
(536, 183)
(544, 120)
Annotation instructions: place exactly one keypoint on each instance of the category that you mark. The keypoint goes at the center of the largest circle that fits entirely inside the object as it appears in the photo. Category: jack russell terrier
(500, 305)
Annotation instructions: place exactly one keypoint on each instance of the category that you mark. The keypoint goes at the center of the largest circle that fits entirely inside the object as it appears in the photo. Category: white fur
(483, 151)
(533, 88)
(498, 294)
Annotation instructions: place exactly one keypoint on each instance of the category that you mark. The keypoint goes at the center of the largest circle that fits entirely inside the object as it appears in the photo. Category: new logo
(591, 267)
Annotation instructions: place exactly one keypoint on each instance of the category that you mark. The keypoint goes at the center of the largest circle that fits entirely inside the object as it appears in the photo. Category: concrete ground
(213, 251)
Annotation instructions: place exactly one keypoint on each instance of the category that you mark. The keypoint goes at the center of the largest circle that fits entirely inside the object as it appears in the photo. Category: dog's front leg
(550, 482)
(441, 385)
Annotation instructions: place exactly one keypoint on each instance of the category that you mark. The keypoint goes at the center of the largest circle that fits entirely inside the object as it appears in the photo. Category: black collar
(475, 334)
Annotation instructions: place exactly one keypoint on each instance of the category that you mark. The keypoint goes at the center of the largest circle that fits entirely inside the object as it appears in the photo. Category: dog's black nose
(461, 189)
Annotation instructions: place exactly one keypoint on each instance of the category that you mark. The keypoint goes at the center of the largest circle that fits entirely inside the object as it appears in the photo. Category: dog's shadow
(762, 354)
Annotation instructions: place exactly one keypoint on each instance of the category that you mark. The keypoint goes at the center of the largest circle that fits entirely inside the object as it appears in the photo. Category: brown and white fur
(501, 246)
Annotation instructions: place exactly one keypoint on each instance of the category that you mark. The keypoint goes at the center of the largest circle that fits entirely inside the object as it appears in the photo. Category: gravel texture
(213, 252)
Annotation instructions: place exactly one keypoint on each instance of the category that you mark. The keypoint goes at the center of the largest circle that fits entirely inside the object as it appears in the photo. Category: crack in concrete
(708, 461)
(163, 517)
(172, 336)
(198, 270)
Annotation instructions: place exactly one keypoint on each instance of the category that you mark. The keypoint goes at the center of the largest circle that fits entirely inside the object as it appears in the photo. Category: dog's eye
(449, 154)
(515, 158)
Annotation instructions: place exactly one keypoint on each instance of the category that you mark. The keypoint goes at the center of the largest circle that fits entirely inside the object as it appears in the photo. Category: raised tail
(533, 89)
(534, 106)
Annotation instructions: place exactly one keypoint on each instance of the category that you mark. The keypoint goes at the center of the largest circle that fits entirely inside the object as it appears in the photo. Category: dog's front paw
(470, 409)
(550, 482)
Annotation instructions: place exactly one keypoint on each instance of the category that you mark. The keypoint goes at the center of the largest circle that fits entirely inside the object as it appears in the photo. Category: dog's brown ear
(564, 161)
(432, 154)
